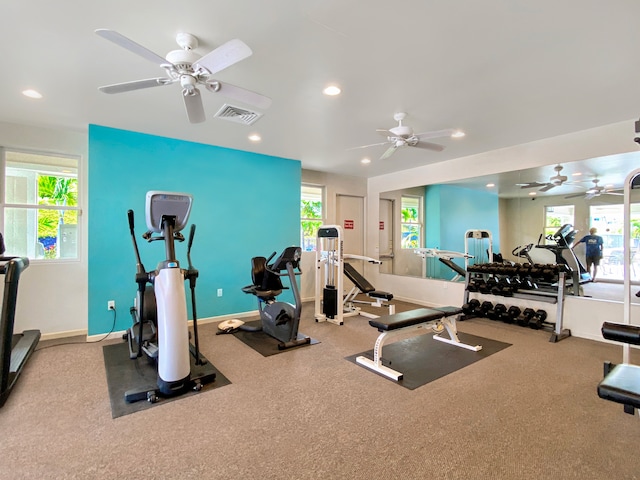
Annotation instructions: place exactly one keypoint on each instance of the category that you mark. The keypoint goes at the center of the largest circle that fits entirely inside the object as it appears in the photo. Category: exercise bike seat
(265, 283)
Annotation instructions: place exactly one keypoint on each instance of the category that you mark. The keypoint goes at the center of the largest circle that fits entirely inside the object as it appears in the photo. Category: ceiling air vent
(238, 115)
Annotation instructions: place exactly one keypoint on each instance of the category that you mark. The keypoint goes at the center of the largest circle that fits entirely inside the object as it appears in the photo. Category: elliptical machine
(160, 329)
(280, 320)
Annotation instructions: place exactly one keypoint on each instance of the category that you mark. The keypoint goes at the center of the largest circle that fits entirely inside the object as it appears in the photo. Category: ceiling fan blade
(436, 134)
(389, 152)
(135, 85)
(367, 146)
(224, 56)
(132, 46)
(193, 104)
(574, 195)
(240, 94)
(547, 187)
(531, 185)
(429, 146)
(385, 133)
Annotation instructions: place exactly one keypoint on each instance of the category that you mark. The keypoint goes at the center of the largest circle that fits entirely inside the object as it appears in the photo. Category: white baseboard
(65, 334)
(119, 334)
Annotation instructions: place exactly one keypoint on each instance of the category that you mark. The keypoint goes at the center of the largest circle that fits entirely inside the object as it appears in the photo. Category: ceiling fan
(554, 181)
(403, 136)
(595, 191)
(189, 69)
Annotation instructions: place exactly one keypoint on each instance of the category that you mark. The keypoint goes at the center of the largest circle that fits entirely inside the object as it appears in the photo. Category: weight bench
(361, 285)
(460, 272)
(621, 383)
(416, 322)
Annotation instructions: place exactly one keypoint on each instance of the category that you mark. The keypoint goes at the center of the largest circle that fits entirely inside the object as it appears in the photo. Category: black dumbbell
(524, 318)
(496, 311)
(538, 319)
(482, 310)
(469, 307)
(511, 314)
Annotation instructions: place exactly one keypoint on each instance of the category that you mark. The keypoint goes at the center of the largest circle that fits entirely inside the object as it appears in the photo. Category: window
(609, 220)
(411, 225)
(310, 216)
(555, 217)
(40, 207)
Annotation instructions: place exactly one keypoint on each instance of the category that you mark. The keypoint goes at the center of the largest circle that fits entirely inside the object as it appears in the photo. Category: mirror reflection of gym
(520, 218)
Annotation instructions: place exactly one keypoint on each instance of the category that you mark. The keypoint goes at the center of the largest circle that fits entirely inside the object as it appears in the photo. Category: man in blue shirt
(593, 253)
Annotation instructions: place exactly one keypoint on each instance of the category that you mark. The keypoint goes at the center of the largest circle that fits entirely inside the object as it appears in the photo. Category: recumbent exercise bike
(280, 320)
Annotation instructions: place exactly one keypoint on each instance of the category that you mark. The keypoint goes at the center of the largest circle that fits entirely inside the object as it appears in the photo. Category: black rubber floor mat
(262, 343)
(124, 374)
(422, 359)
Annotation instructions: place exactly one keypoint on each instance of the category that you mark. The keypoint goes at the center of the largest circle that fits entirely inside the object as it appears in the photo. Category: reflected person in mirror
(593, 252)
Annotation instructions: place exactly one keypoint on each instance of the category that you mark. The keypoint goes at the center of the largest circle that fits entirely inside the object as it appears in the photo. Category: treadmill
(15, 349)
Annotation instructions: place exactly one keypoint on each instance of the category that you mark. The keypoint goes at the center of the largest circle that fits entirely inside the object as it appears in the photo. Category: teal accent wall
(450, 211)
(245, 205)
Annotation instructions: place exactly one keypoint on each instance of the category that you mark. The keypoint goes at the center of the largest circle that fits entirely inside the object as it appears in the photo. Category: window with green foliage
(310, 216)
(411, 225)
(555, 217)
(40, 206)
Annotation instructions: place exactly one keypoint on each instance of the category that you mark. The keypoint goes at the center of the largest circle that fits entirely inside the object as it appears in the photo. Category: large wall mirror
(518, 208)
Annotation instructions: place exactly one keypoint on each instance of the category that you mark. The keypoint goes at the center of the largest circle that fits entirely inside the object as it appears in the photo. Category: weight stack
(330, 301)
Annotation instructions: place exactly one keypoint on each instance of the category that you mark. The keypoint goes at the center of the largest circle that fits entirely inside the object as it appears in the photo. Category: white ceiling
(506, 72)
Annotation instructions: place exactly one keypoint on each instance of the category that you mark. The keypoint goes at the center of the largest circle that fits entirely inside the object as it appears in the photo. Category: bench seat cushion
(448, 311)
(622, 385)
(405, 319)
(380, 294)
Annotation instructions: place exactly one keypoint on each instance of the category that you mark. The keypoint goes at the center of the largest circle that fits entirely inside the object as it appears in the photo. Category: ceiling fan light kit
(186, 67)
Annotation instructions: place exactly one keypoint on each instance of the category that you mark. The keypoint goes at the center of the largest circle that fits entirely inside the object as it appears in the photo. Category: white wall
(597, 142)
(52, 296)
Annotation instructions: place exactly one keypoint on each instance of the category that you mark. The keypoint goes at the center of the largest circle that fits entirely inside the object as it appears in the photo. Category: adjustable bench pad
(448, 311)
(406, 319)
(381, 294)
(622, 385)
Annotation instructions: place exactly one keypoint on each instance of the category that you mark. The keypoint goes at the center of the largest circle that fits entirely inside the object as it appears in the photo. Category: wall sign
(348, 224)
(381, 225)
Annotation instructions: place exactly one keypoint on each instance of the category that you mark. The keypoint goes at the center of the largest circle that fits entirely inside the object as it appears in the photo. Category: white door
(385, 242)
(350, 216)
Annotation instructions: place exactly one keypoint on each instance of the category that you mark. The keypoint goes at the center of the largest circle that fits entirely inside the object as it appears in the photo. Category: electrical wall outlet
(219, 292)
(111, 305)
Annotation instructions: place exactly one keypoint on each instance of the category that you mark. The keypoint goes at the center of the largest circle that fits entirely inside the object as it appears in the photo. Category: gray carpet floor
(529, 411)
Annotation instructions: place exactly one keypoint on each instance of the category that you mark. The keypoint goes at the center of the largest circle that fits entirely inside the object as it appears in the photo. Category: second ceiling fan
(402, 136)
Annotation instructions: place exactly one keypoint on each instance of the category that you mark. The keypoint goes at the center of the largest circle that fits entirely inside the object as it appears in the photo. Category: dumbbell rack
(551, 294)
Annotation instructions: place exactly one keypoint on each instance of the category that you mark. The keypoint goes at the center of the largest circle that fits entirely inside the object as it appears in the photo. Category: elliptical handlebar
(139, 266)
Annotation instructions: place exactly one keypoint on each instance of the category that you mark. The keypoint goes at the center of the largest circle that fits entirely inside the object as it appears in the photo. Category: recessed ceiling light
(490, 185)
(31, 93)
(365, 161)
(576, 174)
(332, 90)
(458, 134)
(532, 193)
(254, 137)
